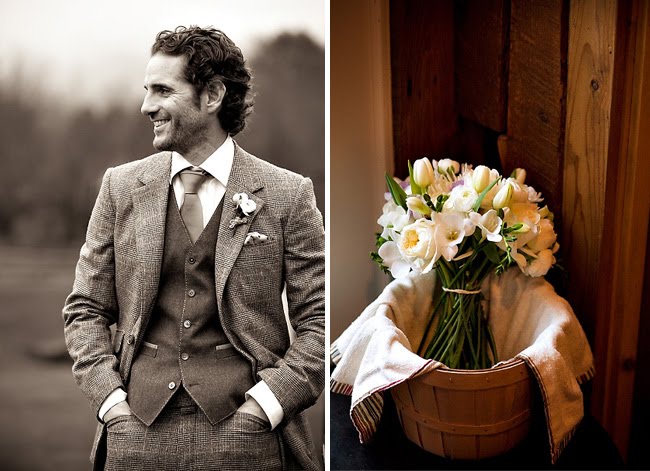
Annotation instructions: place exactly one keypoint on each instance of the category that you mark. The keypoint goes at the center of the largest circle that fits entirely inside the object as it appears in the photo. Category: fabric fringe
(340, 388)
(366, 414)
(587, 375)
(335, 353)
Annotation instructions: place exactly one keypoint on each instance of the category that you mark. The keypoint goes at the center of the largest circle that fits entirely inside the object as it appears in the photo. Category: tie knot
(192, 179)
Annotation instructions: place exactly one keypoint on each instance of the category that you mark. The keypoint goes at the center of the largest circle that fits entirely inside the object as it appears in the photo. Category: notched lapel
(231, 239)
(150, 207)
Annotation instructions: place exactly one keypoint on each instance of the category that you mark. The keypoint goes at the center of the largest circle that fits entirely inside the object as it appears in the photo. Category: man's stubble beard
(184, 136)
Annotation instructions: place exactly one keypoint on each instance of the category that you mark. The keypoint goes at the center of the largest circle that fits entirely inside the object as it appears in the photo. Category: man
(188, 252)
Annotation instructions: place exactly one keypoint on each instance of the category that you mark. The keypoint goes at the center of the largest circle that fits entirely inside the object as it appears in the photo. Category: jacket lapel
(150, 208)
(234, 226)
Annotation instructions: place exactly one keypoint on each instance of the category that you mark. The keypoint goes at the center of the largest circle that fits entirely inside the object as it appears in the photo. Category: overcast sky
(88, 50)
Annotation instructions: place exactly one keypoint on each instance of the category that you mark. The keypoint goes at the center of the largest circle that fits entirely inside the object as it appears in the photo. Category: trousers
(182, 438)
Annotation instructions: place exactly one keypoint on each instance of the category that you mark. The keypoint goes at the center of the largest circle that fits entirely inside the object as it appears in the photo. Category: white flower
(489, 223)
(392, 258)
(522, 213)
(445, 165)
(450, 231)
(533, 195)
(503, 196)
(545, 238)
(418, 245)
(462, 198)
(244, 203)
(417, 205)
(394, 218)
(520, 175)
(481, 178)
(423, 172)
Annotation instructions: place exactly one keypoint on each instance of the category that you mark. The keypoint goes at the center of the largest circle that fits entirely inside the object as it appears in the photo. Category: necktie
(192, 211)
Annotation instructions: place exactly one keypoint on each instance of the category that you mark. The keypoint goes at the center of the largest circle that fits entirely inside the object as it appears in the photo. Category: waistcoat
(184, 345)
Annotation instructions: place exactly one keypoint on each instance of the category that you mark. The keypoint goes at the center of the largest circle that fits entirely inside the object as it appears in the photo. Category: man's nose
(149, 105)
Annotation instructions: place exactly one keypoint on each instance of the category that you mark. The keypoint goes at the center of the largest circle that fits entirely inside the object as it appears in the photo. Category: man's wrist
(118, 395)
(121, 408)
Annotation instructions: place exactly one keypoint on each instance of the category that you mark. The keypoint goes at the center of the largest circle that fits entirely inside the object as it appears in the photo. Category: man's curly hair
(212, 57)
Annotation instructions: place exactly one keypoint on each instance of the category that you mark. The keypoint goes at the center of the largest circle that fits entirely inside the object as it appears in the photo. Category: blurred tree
(53, 155)
(288, 125)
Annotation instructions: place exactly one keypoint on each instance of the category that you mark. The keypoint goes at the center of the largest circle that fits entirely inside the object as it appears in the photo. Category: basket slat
(466, 414)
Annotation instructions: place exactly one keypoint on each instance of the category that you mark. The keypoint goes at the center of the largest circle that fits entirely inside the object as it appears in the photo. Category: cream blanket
(528, 319)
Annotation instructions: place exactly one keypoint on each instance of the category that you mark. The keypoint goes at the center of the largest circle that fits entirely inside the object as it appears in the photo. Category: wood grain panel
(625, 221)
(536, 92)
(480, 55)
(422, 67)
(592, 38)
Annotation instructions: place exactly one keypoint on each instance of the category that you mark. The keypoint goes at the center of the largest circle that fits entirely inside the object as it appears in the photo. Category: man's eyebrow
(158, 86)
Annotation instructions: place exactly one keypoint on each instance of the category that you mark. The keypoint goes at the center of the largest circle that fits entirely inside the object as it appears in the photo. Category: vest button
(191, 293)
(191, 260)
(171, 385)
(130, 339)
(185, 356)
(187, 324)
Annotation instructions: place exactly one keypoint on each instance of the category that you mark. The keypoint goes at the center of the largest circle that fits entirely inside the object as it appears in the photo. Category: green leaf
(396, 191)
(491, 253)
(415, 188)
(482, 194)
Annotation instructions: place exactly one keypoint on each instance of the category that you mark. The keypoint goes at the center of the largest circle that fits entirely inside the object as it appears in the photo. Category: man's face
(180, 122)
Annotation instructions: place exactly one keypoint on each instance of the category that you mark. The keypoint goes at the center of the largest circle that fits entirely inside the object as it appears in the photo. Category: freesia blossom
(418, 206)
(418, 245)
(423, 172)
(450, 231)
(489, 223)
(545, 238)
(392, 258)
(394, 218)
(445, 165)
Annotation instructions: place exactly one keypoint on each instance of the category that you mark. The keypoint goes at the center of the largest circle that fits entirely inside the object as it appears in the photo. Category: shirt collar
(218, 164)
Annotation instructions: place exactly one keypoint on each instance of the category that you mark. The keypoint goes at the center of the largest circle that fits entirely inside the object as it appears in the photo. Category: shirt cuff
(117, 396)
(268, 402)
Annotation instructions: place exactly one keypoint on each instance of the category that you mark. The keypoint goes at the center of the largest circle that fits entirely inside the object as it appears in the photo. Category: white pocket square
(255, 238)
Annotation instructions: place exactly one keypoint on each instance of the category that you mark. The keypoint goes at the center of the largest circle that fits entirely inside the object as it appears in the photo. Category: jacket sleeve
(92, 308)
(298, 379)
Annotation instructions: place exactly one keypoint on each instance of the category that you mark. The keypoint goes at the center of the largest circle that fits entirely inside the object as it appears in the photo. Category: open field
(45, 423)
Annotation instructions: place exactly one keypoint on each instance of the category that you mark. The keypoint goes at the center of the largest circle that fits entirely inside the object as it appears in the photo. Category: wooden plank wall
(536, 95)
(422, 68)
(620, 281)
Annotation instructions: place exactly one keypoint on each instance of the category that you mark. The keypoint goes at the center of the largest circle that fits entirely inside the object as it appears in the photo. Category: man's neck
(198, 154)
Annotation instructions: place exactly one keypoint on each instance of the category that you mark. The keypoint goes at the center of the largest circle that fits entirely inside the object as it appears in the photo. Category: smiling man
(187, 253)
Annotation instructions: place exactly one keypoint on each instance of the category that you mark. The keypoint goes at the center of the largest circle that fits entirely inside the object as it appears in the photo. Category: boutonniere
(245, 207)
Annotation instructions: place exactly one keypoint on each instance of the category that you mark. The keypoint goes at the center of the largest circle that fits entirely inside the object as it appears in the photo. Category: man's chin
(162, 145)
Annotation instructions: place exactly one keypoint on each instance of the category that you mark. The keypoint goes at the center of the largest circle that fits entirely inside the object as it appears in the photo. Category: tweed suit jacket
(117, 276)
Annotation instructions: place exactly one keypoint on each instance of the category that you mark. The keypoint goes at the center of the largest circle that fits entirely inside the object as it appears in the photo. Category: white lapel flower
(246, 205)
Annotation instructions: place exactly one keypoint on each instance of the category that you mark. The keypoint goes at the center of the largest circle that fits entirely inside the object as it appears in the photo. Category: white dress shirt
(218, 165)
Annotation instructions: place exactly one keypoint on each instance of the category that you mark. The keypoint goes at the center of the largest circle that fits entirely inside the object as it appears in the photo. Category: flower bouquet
(465, 223)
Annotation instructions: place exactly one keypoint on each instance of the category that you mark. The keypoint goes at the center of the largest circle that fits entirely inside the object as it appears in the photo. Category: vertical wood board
(422, 67)
(625, 225)
(480, 56)
(536, 93)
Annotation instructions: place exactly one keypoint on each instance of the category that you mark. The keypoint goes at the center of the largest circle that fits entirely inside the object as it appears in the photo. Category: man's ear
(215, 93)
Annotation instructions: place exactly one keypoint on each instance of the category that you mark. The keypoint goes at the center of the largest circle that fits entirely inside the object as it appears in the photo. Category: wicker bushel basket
(467, 414)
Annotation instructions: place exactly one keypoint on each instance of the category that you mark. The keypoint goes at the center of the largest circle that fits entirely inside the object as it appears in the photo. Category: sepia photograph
(162, 240)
